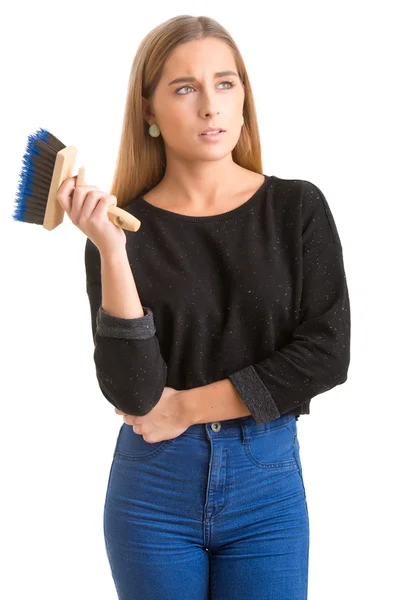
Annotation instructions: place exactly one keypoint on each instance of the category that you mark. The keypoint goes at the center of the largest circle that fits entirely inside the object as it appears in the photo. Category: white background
(324, 76)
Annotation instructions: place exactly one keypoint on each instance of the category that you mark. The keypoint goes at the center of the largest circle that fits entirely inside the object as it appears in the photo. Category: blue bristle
(27, 172)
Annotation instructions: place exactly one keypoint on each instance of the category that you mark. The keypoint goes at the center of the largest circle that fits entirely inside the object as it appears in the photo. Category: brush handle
(118, 216)
(121, 218)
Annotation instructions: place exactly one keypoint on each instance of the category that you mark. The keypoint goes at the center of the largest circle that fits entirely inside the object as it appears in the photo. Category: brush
(47, 163)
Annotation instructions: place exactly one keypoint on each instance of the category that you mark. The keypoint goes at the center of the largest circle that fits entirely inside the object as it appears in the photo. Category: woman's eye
(231, 83)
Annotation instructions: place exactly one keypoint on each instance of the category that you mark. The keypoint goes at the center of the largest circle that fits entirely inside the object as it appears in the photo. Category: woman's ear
(148, 114)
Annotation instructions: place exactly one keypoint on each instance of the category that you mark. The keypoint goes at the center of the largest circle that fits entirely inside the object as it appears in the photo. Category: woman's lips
(212, 137)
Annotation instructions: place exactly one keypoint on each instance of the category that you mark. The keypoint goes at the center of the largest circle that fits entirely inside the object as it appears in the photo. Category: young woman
(214, 326)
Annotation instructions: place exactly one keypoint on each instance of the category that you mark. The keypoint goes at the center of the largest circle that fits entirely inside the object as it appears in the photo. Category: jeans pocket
(273, 448)
(132, 446)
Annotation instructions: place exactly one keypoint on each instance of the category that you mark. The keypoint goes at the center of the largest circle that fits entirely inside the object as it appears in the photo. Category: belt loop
(245, 430)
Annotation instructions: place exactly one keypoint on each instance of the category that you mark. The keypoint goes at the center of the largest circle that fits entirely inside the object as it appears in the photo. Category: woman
(214, 325)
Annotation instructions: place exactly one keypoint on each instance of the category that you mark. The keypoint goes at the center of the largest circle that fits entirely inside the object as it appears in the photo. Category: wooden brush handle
(118, 216)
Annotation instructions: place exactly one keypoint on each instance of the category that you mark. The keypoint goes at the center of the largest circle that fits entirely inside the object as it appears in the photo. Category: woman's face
(182, 110)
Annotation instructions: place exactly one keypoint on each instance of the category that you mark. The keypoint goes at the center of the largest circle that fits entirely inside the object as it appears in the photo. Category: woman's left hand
(167, 420)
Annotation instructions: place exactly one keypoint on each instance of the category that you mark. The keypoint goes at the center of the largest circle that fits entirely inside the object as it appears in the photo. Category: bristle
(35, 176)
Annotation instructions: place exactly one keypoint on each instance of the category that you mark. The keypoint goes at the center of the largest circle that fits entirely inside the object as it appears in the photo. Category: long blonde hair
(141, 158)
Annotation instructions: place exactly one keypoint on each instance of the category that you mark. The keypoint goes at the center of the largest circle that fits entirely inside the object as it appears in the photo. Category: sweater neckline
(162, 212)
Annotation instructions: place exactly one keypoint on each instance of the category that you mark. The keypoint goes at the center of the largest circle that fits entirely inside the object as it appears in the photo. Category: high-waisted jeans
(217, 513)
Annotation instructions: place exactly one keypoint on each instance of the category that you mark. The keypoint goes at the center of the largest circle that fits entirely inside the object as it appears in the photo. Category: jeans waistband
(245, 426)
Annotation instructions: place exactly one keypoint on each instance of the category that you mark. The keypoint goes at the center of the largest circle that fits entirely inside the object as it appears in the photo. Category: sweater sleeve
(318, 355)
(130, 370)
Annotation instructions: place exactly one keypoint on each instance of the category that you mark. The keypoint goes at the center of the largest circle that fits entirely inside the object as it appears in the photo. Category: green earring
(154, 130)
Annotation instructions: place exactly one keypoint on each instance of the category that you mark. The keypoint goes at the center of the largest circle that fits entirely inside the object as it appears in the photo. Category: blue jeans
(217, 513)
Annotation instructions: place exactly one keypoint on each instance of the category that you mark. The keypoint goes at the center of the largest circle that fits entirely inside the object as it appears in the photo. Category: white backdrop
(324, 79)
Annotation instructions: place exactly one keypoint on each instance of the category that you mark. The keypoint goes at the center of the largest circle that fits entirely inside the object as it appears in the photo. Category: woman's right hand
(87, 208)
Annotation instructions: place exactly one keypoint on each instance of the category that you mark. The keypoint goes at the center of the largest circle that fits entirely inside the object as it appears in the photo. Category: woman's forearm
(216, 401)
(120, 297)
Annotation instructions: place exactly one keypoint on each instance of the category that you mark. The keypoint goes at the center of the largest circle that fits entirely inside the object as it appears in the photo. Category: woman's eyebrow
(188, 79)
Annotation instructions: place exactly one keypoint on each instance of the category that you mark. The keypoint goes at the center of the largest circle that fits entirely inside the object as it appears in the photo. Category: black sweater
(257, 294)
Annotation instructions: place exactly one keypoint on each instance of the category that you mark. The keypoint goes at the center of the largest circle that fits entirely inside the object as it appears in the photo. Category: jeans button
(216, 426)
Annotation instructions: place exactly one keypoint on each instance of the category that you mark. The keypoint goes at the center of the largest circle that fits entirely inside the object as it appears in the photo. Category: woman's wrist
(189, 405)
